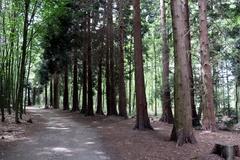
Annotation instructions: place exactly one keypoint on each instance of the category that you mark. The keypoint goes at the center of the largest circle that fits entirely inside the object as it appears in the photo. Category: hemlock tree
(142, 121)
(182, 130)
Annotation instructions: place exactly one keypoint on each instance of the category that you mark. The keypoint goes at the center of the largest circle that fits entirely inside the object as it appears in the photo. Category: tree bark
(122, 87)
(182, 130)
(23, 62)
(51, 92)
(209, 122)
(90, 87)
(66, 96)
(56, 91)
(85, 80)
(112, 99)
(75, 84)
(99, 92)
(195, 118)
(46, 96)
(142, 121)
(167, 115)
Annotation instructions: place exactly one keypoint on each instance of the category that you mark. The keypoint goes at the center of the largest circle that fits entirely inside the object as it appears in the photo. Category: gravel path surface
(55, 135)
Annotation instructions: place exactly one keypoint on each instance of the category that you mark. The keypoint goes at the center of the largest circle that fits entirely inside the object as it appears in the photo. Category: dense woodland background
(178, 60)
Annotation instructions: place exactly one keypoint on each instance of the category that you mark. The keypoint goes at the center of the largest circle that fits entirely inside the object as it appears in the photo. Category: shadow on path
(56, 136)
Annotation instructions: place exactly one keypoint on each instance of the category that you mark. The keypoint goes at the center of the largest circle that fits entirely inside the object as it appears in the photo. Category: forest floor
(61, 135)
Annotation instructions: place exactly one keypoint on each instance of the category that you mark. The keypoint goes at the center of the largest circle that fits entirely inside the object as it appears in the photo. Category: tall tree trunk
(108, 91)
(84, 94)
(66, 96)
(99, 92)
(130, 105)
(112, 98)
(142, 121)
(167, 115)
(1, 77)
(90, 83)
(56, 91)
(209, 122)
(195, 118)
(85, 79)
(182, 130)
(23, 61)
(75, 84)
(122, 89)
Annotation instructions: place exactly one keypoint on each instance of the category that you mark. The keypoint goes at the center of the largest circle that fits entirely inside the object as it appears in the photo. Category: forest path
(56, 135)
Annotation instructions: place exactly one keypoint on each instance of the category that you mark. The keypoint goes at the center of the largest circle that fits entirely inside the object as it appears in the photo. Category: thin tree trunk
(51, 92)
(2, 99)
(130, 79)
(46, 96)
(66, 96)
(228, 93)
(56, 91)
(90, 83)
(195, 120)
(167, 115)
(23, 62)
(237, 99)
(99, 92)
(75, 84)
(34, 96)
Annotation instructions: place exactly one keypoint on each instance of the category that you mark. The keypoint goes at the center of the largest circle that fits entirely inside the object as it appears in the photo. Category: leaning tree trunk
(167, 115)
(122, 87)
(142, 121)
(209, 122)
(182, 130)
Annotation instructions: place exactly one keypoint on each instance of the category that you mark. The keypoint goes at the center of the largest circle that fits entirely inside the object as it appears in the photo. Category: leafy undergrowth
(10, 131)
(119, 137)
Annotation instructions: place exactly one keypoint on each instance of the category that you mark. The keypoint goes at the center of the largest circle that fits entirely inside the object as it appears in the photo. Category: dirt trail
(55, 135)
